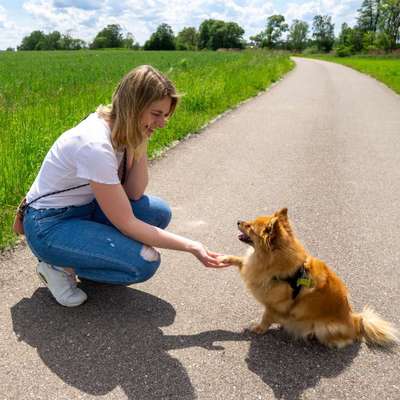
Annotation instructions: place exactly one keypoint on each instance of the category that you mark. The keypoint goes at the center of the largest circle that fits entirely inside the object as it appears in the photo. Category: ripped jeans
(81, 237)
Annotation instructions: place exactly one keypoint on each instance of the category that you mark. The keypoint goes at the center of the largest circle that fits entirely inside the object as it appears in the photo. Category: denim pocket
(45, 219)
(49, 214)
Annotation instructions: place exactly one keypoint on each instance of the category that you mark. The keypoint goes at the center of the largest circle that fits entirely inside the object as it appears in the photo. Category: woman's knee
(153, 210)
(165, 215)
(150, 262)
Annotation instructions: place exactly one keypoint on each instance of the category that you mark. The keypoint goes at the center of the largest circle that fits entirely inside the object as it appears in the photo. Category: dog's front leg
(233, 260)
(263, 326)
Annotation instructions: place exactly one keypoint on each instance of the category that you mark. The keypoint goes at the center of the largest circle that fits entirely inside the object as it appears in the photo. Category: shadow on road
(113, 340)
(290, 367)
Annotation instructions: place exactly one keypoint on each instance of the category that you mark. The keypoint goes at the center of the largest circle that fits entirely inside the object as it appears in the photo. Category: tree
(187, 39)
(211, 33)
(368, 15)
(257, 40)
(67, 42)
(215, 34)
(349, 41)
(323, 32)
(298, 35)
(390, 21)
(109, 37)
(368, 40)
(344, 38)
(356, 39)
(276, 26)
(216, 39)
(383, 41)
(162, 39)
(31, 41)
(50, 41)
(129, 42)
(233, 38)
(38, 40)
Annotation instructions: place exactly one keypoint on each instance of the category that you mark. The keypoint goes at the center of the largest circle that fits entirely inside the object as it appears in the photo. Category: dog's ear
(272, 225)
(270, 232)
(282, 214)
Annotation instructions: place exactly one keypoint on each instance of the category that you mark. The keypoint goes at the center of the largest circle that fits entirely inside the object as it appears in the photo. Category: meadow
(384, 69)
(42, 94)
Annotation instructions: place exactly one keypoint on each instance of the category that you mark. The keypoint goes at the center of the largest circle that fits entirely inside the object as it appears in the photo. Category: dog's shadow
(289, 366)
(114, 340)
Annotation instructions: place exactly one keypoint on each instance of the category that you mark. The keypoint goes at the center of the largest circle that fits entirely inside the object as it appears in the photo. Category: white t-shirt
(80, 154)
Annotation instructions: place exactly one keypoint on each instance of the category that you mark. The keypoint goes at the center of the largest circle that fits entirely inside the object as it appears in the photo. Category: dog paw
(231, 260)
(257, 328)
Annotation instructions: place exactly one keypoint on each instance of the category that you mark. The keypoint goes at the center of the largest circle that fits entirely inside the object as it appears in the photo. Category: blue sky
(84, 18)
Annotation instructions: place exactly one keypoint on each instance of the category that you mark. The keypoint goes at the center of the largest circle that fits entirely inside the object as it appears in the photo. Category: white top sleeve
(97, 162)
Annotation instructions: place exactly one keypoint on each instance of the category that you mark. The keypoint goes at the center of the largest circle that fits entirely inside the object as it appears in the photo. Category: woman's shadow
(113, 340)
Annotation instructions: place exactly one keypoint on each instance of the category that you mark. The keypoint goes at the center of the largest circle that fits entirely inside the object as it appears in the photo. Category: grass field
(44, 93)
(385, 69)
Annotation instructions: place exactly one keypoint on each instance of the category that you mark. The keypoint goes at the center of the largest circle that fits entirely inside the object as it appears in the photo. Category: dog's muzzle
(244, 238)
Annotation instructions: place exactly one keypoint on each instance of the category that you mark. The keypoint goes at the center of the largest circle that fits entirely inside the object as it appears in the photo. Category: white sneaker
(61, 284)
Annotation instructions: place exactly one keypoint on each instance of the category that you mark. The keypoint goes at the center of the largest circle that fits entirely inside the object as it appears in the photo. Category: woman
(87, 214)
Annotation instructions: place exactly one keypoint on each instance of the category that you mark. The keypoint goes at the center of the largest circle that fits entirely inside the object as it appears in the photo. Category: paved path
(325, 142)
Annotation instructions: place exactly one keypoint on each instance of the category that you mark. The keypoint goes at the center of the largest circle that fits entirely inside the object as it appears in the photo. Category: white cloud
(79, 22)
(340, 11)
(10, 32)
(84, 18)
(82, 4)
(302, 11)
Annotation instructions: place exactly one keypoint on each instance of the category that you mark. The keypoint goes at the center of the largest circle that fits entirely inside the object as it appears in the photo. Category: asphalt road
(324, 142)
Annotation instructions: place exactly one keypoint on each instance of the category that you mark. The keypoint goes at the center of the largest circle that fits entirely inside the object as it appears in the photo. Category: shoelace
(72, 278)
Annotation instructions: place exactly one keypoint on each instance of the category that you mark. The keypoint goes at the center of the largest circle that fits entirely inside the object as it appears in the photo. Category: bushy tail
(370, 326)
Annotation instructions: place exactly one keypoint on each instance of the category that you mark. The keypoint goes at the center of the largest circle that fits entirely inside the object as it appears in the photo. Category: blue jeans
(82, 238)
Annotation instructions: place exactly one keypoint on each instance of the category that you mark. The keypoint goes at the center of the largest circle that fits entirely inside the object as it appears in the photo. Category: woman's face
(156, 115)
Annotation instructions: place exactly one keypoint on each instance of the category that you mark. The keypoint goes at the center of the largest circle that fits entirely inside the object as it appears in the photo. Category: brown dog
(299, 291)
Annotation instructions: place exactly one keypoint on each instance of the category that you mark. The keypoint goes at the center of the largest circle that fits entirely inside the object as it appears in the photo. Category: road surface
(324, 142)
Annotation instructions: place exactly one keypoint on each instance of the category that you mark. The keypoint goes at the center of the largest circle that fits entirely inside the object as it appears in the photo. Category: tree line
(377, 28)
(212, 35)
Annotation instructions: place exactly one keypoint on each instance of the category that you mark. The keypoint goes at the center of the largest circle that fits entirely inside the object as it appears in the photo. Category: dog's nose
(239, 222)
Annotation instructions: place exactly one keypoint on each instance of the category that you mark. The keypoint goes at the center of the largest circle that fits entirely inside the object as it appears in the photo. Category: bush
(383, 41)
(374, 51)
(343, 51)
(311, 50)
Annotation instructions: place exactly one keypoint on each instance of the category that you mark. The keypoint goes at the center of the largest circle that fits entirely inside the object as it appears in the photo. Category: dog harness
(296, 281)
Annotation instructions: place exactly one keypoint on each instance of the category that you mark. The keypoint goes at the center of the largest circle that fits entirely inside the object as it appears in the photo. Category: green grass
(44, 93)
(384, 69)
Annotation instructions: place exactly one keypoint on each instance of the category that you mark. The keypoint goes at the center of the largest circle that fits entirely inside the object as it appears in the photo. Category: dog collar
(296, 281)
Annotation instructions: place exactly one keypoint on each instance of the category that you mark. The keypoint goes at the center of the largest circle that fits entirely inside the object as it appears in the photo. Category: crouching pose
(87, 214)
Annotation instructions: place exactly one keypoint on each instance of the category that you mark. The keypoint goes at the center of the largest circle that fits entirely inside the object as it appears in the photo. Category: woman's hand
(208, 258)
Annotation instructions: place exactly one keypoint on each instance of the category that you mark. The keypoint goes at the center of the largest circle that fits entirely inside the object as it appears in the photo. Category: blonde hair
(134, 93)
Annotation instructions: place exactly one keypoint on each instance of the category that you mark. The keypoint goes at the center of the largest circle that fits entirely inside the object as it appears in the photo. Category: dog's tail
(371, 327)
